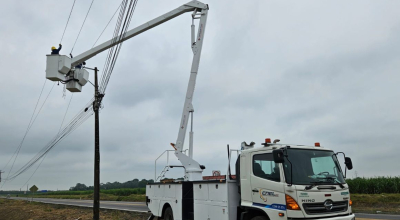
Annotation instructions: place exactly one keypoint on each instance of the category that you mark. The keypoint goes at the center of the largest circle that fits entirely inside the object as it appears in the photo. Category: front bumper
(347, 217)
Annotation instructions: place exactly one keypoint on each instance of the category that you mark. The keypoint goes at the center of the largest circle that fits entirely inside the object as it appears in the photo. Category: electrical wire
(114, 51)
(62, 122)
(81, 117)
(82, 25)
(107, 25)
(27, 129)
(67, 21)
(114, 39)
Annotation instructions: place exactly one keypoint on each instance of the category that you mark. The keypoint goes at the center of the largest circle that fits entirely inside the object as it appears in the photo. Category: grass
(373, 203)
(103, 197)
(117, 192)
(131, 195)
(17, 209)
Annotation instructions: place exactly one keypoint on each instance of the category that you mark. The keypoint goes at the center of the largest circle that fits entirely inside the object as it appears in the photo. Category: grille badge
(328, 204)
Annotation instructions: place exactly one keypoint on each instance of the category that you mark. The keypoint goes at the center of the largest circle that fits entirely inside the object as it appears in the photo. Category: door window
(265, 167)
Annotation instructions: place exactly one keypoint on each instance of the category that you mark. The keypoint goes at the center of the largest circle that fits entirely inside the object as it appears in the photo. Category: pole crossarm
(191, 6)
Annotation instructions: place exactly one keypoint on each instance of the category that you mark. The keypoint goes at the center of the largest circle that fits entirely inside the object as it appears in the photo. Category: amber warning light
(317, 144)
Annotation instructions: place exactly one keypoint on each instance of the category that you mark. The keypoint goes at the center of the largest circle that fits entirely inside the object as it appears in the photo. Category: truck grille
(319, 208)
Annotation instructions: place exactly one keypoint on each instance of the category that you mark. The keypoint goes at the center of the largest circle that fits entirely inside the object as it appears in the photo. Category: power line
(81, 117)
(29, 128)
(62, 122)
(33, 114)
(113, 55)
(107, 25)
(67, 21)
(82, 25)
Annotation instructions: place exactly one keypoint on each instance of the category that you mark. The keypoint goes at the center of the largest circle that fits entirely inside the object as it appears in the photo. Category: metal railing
(166, 168)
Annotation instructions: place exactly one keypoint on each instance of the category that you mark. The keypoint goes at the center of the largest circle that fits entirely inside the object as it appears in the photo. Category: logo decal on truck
(272, 206)
(308, 200)
(264, 194)
(303, 195)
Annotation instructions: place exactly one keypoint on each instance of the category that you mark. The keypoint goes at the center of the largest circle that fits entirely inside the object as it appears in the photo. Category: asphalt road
(141, 206)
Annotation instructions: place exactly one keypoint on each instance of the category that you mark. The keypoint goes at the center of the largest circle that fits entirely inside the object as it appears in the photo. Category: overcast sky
(300, 71)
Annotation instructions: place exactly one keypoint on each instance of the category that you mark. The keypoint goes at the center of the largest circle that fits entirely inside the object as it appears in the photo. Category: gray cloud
(302, 72)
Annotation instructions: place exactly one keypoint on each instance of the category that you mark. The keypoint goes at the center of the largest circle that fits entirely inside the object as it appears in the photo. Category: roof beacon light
(267, 140)
(317, 144)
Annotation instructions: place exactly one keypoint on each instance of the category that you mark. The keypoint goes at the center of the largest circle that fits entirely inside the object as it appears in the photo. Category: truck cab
(280, 181)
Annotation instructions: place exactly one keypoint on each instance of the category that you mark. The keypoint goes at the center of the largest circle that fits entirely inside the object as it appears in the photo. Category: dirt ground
(23, 210)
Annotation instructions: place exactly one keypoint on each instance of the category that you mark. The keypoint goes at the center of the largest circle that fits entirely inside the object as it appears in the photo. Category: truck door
(267, 187)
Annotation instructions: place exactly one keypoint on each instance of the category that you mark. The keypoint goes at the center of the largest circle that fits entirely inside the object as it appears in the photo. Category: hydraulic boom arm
(193, 171)
(191, 6)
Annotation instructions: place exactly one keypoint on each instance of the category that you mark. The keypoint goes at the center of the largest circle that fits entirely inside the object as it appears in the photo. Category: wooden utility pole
(96, 106)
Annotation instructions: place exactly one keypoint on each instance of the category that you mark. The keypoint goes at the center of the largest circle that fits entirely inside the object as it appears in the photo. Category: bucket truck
(272, 182)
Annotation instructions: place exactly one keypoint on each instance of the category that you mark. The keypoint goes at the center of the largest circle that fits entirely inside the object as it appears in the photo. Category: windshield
(312, 167)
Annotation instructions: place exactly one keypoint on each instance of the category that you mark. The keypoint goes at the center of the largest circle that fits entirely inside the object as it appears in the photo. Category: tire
(168, 215)
(260, 218)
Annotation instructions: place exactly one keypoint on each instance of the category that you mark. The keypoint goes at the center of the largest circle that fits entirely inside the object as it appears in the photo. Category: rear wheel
(168, 214)
(259, 218)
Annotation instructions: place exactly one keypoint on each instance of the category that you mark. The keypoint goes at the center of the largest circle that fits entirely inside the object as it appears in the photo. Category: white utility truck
(277, 181)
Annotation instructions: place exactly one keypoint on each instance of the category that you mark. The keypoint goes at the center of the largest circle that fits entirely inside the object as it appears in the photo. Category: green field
(374, 185)
(134, 195)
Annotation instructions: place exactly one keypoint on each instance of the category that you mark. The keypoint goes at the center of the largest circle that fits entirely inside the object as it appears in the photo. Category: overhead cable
(107, 25)
(72, 95)
(67, 21)
(82, 25)
(114, 39)
(81, 117)
(29, 124)
(27, 131)
(114, 51)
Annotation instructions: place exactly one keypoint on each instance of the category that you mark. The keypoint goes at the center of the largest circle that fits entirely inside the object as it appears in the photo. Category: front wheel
(168, 214)
(259, 218)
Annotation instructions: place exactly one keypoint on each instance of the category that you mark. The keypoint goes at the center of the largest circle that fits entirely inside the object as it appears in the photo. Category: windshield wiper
(314, 184)
(334, 180)
(339, 183)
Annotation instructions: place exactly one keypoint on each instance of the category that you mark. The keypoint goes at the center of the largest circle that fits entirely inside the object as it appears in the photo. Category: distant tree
(79, 187)
(142, 183)
(135, 183)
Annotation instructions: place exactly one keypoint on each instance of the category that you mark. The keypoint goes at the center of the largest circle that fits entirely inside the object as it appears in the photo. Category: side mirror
(278, 156)
(349, 164)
